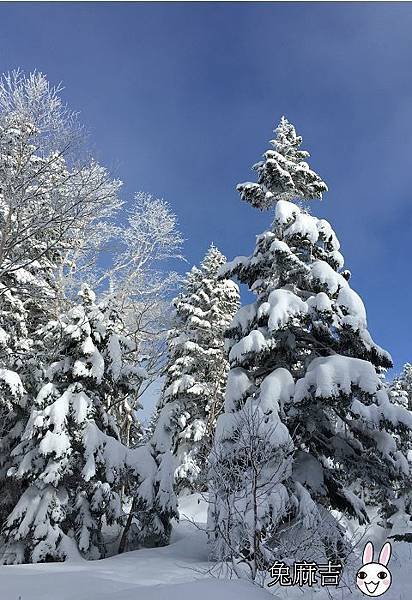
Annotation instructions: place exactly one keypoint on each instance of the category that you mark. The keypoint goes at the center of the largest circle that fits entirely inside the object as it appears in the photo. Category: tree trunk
(123, 539)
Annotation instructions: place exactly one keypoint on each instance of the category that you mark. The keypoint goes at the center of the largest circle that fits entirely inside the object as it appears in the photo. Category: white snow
(87, 346)
(353, 304)
(180, 571)
(226, 424)
(244, 316)
(331, 375)
(279, 246)
(237, 386)
(54, 443)
(176, 572)
(285, 211)
(327, 276)
(253, 342)
(304, 226)
(160, 575)
(284, 305)
(276, 390)
(4, 337)
(338, 258)
(321, 302)
(327, 233)
(13, 382)
(231, 265)
(383, 409)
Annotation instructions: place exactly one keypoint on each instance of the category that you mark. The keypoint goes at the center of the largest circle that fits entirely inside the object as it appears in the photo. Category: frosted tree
(51, 198)
(302, 355)
(197, 365)
(12, 418)
(249, 460)
(150, 426)
(155, 502)
(70, 464)
(400, 389)
(139, 283)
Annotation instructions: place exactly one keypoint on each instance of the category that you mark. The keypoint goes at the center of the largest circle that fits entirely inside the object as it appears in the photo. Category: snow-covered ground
(178, 572)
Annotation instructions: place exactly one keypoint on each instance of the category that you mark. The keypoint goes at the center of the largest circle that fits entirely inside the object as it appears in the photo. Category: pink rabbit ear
(368, 553)
(385, 554)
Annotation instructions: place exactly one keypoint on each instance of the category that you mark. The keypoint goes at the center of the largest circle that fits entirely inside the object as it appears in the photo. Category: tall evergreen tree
(193, 392)
(70, 464)
(197, 365)
(301, 356)
(400, 394)
(400, 389)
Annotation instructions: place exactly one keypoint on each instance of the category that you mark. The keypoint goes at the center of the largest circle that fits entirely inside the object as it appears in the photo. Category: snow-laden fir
(70, 465)
(401, 387)
(192, 396)
(197, 366)
(309, 435)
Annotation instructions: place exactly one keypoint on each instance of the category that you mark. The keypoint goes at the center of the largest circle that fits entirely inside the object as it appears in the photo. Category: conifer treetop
(284, 173)
(304, 392)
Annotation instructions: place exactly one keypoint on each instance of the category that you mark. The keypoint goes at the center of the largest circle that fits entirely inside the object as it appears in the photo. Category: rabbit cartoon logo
(374, 578)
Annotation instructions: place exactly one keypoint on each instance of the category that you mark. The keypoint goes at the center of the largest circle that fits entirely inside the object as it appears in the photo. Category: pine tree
(304, 368)
(197, 365)
(400, 389)
(70, 464)
(27, 299)
(192, 395)
(26, 286)
(284, 173)
(155, 501)
(150, 426)
(400, 394)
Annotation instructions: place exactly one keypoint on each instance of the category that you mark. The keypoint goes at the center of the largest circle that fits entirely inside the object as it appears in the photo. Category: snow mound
(283, 305)
(254, 342)
(176, 572)
(334, 375)
(12, 381)
(180, 571)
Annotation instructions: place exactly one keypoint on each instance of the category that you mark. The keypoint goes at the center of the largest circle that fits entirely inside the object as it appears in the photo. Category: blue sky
(181, 98)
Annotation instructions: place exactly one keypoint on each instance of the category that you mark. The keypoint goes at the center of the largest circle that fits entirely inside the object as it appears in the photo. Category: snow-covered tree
(249, 460)
(155, 501)
(139, 282)
(400, 394)
(56, 206)
(150, 426)
(52, 198)
(400, 389)
(192, 395)
(197, 365)
(70, 463)
(284, 173)
(302, 355)
(50, 202)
